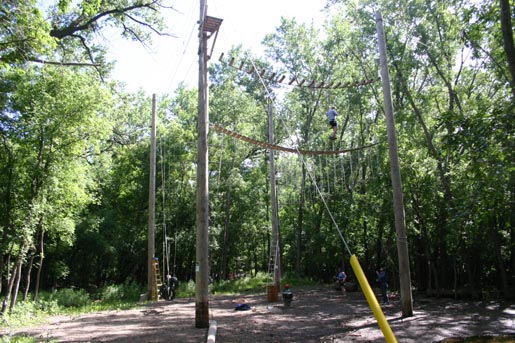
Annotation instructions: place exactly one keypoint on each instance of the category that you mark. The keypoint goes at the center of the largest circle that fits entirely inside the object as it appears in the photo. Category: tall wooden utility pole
(208, 26)
(274, 246)
(151, 203)
(398, 203)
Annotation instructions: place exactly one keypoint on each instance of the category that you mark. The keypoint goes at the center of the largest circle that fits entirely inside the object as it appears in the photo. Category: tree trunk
(27, 277)
(1, 269)
(226, 235)
(10, 284)
(40, 267)
(379, 244)
(442, 172)
(7, 217)
(17, 281)
(494, 227)
(427, 255)
(511, 295)
(363, 191)
(300, 223)
(507, 36)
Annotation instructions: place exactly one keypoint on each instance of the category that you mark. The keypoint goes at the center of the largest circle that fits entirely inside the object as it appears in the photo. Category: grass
(243, 285)
(69, 302)
(20, 339)
(31, 313)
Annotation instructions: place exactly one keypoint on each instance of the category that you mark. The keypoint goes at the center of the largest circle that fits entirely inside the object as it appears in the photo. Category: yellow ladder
(156, 279)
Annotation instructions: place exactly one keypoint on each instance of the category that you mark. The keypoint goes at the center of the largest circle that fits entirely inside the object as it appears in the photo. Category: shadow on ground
(316, 315)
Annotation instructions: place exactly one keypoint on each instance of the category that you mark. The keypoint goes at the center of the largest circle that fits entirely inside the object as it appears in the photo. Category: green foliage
(68, 297)
(68, 301)
(246, 284)
(30, 35)
(90, 7)
(242, 285)
(186, 289)
(254, 284)
(128, 291)
(20, 339)
(26, 313)
(63, 6)
(297, 282)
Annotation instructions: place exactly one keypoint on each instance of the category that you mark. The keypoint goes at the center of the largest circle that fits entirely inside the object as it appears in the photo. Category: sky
(160, 68)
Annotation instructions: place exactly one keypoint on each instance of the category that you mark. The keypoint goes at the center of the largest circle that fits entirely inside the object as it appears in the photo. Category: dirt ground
(320, 315)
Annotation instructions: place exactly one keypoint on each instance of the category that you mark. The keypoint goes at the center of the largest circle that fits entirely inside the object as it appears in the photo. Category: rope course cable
(294, 81)
(262, 144)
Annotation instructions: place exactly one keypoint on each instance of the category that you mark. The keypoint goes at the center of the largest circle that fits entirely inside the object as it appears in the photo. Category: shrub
(186, 289)
(68, 297)
(128, 291)
(17, 339)
(29, 312)
(242, 285)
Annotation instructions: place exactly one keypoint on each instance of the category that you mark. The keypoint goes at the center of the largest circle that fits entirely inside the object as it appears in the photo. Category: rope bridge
(220, 129)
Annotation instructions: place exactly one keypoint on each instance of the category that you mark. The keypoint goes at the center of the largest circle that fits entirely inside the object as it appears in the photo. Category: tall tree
(507, 38)
(49, 118)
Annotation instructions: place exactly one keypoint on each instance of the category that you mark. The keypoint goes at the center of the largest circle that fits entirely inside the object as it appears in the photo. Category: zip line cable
(186, 46)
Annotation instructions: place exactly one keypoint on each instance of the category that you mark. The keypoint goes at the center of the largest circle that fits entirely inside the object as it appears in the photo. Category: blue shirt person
(341, 277)
(331, 115)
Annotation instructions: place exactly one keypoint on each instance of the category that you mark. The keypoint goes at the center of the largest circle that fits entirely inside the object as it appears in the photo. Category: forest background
(75, 146)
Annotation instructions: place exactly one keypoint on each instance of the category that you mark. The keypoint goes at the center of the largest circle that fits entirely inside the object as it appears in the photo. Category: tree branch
(149, 26)
(75, 27)
(80, 64)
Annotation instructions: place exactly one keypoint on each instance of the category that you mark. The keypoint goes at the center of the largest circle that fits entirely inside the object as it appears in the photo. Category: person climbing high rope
(331, 115)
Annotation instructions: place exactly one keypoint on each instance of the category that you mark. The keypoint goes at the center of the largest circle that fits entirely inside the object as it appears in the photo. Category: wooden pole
(152, 202)
(398, 204)
(275, 211)
(202, 213)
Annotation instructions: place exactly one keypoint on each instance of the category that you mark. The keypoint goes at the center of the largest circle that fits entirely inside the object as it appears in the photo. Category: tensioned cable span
(220, 129)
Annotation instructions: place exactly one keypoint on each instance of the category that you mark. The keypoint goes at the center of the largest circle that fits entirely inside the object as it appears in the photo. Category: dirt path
(316, 315)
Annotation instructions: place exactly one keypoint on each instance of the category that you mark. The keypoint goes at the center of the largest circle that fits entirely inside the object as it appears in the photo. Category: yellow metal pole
(372, 301)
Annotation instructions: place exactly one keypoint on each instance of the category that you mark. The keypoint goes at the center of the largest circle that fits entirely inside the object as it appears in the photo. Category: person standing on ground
(341, 277)
(331, 115)
(383, 284)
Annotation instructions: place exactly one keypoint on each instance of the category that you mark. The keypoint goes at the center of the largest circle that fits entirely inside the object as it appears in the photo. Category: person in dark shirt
(383, 284)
